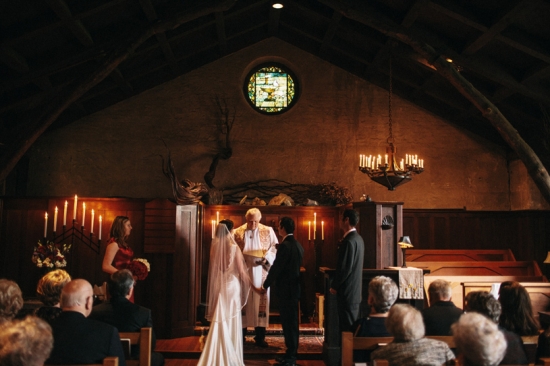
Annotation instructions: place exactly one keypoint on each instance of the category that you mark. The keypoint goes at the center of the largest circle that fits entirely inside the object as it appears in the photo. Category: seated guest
(78, 340)
(11, 300)
(478, 341)
(123, 314)
(382, 294)
(25, 342)
(484, 303)
(517, 312)
(442, 313)
(49, 293)
(409, 347)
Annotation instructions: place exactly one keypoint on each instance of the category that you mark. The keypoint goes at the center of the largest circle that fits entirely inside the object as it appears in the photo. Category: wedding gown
(227, 293)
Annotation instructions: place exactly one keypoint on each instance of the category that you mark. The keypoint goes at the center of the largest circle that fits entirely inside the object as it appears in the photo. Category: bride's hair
(228, 223)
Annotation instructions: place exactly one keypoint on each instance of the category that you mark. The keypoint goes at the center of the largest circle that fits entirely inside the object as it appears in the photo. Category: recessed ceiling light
(449, 59)
(277, 6)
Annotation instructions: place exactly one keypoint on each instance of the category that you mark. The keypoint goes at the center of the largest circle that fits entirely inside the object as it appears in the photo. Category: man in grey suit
(348, 280)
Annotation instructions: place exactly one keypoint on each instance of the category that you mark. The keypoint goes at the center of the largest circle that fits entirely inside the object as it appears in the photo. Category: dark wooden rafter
(151, 14)
(330, 33)
(17, 148)
(534, 166)
(220, 31)
(18, 62)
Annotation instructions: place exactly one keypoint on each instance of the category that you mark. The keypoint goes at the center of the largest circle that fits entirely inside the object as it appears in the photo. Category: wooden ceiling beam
(510, 17)
(331, 32)
(19, 145)
(151, 14)
(77, 28)
(532, 162)
(220, 31)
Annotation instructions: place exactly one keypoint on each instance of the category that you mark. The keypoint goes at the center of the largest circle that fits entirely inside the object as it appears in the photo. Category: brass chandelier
(388, 172)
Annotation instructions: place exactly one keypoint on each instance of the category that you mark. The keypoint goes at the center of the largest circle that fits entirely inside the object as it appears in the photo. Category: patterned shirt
(421, 352)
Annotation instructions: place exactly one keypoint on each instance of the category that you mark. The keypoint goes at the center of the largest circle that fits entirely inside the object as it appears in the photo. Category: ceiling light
(277, 6)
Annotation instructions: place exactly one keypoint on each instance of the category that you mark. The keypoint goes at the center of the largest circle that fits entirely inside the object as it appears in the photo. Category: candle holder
(74, 234)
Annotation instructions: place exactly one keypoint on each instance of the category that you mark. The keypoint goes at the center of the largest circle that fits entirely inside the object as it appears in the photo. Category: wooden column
(381, 226)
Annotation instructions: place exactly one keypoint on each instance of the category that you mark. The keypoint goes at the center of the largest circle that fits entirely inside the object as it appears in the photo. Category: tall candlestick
(217, 217)
(213, 229)
(100, 222)
(65, 214)
(309, 230)
(386, 159)
(74, 212)
(322, 230)
(83, 213)
(46, 225)
(92, 228)
(55, 220)
(314, 225)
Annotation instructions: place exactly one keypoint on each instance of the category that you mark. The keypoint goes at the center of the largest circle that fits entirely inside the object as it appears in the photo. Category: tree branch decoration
(225, 120)
(324, 194)
(186, 192)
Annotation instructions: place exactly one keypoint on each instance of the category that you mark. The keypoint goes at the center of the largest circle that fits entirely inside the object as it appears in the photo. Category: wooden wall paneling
(160, 226)
(186, 269)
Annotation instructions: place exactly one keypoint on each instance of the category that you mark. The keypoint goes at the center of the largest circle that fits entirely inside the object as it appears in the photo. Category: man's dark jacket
(439, 317)
(80, 340)
(348, 278)
(285, 270)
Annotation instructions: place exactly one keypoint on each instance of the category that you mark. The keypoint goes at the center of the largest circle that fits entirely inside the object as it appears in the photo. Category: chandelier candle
(55, 220)
(74, 211)
(65, 214)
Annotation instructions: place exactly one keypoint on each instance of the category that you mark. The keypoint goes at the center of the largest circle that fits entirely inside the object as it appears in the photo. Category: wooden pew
(107, 361)
(539, 293)
(142, 338)
(486, 268)
(457, 283)
(458, 255)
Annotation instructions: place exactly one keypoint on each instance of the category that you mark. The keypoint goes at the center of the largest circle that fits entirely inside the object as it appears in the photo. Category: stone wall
(116, 152)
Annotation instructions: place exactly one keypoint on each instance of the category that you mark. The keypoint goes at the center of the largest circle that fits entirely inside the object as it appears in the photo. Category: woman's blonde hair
(50, 286)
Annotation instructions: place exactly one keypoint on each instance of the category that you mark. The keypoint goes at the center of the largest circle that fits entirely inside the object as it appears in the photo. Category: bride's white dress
(224, 343)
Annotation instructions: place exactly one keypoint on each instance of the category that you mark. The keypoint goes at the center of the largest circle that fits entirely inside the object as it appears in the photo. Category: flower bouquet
(50, 255)
(140, 268)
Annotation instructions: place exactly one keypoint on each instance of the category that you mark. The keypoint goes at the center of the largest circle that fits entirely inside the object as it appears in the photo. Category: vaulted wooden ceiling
(61, 60)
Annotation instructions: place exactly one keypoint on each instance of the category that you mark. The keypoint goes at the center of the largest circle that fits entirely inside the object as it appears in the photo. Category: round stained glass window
(271, 88)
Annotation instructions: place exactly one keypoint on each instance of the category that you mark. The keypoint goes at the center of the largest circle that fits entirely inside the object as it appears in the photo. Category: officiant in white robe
(258, 244)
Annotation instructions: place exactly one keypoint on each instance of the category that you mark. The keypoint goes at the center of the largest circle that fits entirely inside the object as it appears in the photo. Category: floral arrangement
(140, 268)
(50, 255)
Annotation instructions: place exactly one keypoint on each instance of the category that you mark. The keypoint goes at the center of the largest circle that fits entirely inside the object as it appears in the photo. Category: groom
(285, 271)
(257, 243)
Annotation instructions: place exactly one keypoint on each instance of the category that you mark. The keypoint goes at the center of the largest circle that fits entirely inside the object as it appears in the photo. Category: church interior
(164, 111)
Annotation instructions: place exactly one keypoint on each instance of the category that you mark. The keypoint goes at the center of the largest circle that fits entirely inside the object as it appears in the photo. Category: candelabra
(75, 234)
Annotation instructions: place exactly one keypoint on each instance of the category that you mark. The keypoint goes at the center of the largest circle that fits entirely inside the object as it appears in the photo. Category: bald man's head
(77, 295)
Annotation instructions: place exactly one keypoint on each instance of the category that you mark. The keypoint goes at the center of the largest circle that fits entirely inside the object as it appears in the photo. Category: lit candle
(65, 214)
(100, 222)
(74, 212)
(386, 159)
(55, 220)
(402, 165)
(360, 160)
(379, 160)
(83, 213)
(217, 217)
(46, 225)
(92, 228)
(407, 159)
(322, 230)
(213, 228)
(309, 230)
(416, 159)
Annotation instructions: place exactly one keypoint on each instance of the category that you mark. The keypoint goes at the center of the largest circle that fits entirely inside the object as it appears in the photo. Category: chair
(100, 292)
(143, 339)
(107, 361)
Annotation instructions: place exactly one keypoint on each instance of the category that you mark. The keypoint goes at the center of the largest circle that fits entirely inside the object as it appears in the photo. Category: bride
(227, 292)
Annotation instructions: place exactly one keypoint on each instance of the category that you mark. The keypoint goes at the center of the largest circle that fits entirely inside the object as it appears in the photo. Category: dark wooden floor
(186, 351)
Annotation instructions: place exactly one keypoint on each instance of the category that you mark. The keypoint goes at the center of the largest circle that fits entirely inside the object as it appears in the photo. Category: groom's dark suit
(348, 279)
(285, 272)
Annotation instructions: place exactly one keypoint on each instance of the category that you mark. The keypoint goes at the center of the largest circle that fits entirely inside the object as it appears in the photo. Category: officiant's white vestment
(255, 245)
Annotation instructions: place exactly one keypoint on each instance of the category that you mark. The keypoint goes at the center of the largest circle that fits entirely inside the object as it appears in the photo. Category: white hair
(478, 339)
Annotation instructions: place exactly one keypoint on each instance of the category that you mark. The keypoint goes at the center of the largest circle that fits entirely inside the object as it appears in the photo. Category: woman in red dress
(118, 254)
